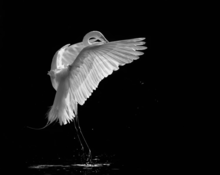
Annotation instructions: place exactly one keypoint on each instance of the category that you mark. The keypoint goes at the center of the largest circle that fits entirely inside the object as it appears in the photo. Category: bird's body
(78, 69)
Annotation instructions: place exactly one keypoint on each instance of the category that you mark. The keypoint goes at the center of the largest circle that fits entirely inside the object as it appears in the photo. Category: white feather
(94, 63)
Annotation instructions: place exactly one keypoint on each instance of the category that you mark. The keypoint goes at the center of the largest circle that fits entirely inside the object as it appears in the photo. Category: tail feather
(70, 109)
(65, 107)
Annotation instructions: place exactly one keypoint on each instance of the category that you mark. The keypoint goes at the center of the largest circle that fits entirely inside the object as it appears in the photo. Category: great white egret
(78, 69)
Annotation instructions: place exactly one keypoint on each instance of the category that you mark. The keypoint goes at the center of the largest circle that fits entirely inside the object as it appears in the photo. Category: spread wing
(96, 62)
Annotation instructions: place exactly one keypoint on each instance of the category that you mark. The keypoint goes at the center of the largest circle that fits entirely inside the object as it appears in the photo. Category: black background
(130, 115)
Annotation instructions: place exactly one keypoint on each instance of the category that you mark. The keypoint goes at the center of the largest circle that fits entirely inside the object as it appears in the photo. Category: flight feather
(99, 61)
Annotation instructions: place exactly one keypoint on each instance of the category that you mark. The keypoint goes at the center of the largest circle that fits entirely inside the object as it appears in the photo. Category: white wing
(96, 62)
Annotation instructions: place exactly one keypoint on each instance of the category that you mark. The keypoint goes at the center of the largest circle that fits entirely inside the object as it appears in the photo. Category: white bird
(78, 69)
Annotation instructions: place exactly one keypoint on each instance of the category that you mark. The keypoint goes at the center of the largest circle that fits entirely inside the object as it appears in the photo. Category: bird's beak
(52, 73)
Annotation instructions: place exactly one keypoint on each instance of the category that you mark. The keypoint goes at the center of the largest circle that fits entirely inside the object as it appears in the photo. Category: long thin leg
(82, 139)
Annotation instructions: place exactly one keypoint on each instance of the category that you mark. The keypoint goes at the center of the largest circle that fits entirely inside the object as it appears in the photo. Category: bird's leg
(86, 157)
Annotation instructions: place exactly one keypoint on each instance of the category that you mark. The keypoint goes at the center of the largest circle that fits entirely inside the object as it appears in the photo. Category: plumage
(78, 70)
